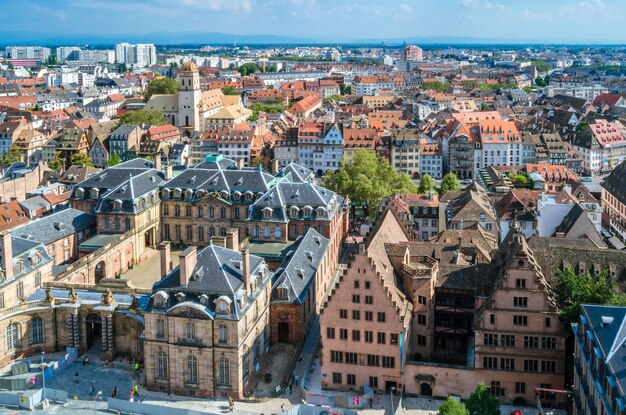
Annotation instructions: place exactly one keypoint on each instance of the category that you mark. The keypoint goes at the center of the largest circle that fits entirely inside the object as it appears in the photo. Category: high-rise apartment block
(140, 55)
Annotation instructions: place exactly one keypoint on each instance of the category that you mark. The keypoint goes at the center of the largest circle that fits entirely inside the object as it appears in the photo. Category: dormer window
(236, 196)
(222, 305)
(307, 211)
(321, 212)
(18, 267)
(283, 293)
(188, 194)
(249, 196)
(117, 205)
(160, 299)
(267, 213)
(94, 193)
(80, 192)
(224, 194)
(177, 193)
(165, 194)
(293, 212)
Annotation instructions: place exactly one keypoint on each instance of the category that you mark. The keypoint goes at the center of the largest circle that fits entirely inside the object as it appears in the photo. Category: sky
(543, 20)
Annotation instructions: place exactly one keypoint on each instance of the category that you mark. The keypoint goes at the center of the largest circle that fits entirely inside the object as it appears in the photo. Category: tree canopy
(161, 86)
(427, 184)
(450, 182)
(81, 159)
(248, 69)
(452, 407)
(56, 163)
(13, 155)
(436, 85)
(113, 160)
(367, 179)
(272, 108)
(147, 117)
(229, 90)
(481, 402)
(541, 65)
(572, 290)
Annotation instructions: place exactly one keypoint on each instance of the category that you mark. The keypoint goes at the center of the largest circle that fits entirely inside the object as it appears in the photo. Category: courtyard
(148, 271)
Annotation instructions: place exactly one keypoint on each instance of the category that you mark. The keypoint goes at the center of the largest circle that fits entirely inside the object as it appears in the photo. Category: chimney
(232, 239)
(157, 163)
(188, 260)
(245, 269)
(166, 263)
(7, 255)
(167, 171)
(218, 241)
(240, 164)
(275, 166)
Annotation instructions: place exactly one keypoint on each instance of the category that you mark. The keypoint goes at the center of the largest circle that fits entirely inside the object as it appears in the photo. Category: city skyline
(273, 21)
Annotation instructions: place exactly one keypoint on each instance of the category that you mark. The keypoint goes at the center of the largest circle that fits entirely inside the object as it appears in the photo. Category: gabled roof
(615, 183)
(56, 226)
(298, 270)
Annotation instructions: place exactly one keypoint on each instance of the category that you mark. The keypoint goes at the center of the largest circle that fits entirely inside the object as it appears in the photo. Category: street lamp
(391, 391)
(95, 400)
(43, 379)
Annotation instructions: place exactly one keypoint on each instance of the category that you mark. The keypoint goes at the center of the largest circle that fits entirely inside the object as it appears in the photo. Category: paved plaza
(148, 271)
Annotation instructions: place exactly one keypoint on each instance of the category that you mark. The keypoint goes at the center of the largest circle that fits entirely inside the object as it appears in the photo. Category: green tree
(229, 90)
(485, 107)
(436, 85)
(113, 160)
(481, 402)
(367, 179)
(123, 68)
(167, 86)
(260, 161)
(269, 107)
(149, 158)
(540, 82)
(248, 69)
(56, 163)
(81, 159)
(541, 65)
(147, 117)
(345, 89)
(13, 155)
(452, 407)
(427, 184)
(582, 126)
(450, 182)
(572, 290)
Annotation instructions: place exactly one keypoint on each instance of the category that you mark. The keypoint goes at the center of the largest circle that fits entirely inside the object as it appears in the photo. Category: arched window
(192, 369)
(222, 333)
(12, 336)
(224, 378)
(36, 330)
(161, 359)
(190, 331)
(283, 294)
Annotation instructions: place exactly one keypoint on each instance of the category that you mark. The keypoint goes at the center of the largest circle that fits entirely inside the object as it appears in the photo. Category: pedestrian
(75, 377)
(371, 402)
(114, 393)
(132, 394)
(85, 360)
(231, 404)
(92, 390)
(136, 389)
(137, 367)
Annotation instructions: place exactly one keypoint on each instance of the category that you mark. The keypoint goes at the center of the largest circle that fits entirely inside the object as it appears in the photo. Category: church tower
(189, 97)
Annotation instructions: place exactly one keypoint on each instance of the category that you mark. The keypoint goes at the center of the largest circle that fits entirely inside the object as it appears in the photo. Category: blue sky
(547, 20)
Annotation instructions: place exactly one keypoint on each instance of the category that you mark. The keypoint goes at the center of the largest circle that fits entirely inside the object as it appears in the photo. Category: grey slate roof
(610, 338)
(296, 173)
(615, 183)
(135, 194)
(26, 252)
(297, 272)
(56, 226)
(286, 195)
(218, 273)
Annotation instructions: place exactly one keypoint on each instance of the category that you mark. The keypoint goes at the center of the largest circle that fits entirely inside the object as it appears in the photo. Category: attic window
(283, 293)
(188, 194)
(293, 211)
(165, 193)
(300, 272)
(309, 255)
(117, 204)
(321, 212)
(267, 213)
(94, 193)
(306, 211)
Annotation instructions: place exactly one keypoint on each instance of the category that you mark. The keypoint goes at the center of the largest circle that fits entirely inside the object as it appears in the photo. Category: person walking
(92, 390)
(75, 377)
(114, 393)
(132, 394)
(136, 389)
(231, 404)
